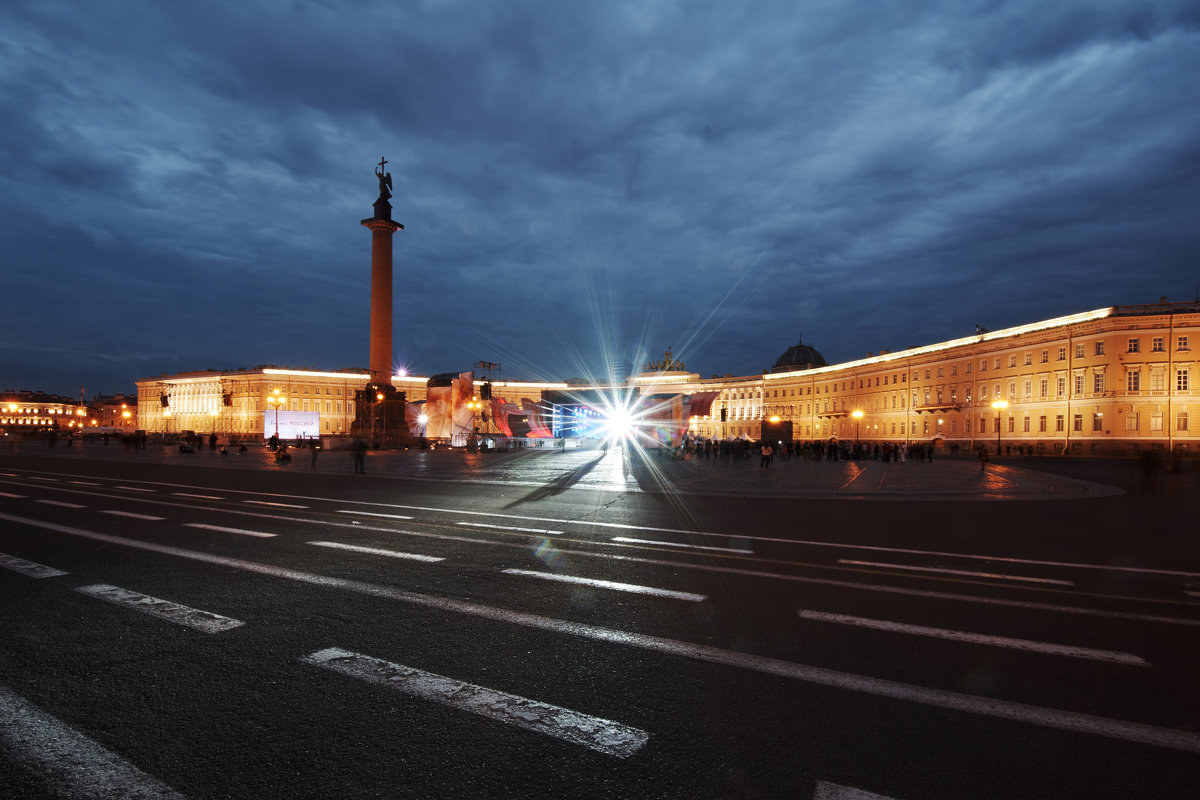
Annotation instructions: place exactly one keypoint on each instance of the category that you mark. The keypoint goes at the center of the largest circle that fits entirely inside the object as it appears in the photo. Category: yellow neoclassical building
(233, 402)
(1113, 380)
(1116, 380)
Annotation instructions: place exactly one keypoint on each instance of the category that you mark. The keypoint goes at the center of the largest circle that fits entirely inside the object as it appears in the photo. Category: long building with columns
(1116, 380)
(1110, 381)
(233, 402)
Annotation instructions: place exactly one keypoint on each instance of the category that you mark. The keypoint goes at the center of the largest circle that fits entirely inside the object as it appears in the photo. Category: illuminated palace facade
(1117, 380)
(232, 402)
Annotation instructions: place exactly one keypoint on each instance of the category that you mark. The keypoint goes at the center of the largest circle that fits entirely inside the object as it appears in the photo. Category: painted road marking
(132, 515)
(223, 529)
(542, 531)
(594, 733)
(599, 584)
(835, 791)
(682, 544)
(59, 503)
(956, 572)
(134, 488)
(39, 478)
(269, 503)
(976, 638)
(1187, 741)
(197, 496)
(875, 587)
(373, 514)
(631, 527)
(84, 483)
(1193, 594)
(73, 764)
(375, 551)
(205, 621)
(29, 568)
(11, 495)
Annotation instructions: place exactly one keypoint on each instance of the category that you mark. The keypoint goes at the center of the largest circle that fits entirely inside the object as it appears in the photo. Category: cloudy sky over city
(582, 184)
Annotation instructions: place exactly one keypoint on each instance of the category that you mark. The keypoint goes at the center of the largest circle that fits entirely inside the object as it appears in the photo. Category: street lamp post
(378, 400)
(858, 415)
(474, 405)
(999, 405)
(276, 399)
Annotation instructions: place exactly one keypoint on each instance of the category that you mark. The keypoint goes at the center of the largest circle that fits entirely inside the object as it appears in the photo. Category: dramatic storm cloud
(582, 184)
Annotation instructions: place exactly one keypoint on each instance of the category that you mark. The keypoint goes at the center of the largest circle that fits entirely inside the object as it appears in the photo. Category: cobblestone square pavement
(625, 469)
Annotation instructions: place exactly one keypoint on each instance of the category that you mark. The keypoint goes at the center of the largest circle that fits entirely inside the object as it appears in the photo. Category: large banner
(446, 405)
(464, 416)
(292, 424)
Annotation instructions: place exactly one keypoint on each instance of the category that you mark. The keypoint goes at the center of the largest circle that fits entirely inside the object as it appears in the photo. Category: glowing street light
(858, 415)
(276, 399)
(998, 405)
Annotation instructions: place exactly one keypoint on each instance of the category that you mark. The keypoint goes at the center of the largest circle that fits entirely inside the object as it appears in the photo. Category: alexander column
(379, 408)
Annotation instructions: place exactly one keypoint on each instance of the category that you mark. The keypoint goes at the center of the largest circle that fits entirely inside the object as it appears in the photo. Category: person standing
(358, 449)
(765, 462)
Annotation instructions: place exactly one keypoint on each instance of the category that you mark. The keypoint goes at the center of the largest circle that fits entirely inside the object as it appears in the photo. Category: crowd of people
(740, 449)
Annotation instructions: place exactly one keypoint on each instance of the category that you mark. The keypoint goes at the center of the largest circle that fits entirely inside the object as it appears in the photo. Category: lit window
(1181, 421)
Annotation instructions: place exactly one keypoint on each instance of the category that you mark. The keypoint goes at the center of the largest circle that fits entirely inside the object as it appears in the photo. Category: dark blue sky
(182, 185)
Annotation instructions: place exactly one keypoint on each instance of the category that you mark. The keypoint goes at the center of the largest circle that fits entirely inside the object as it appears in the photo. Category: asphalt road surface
(586, 625)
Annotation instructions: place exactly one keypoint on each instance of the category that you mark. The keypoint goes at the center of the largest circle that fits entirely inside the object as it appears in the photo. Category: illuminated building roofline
(525, 385)
(361, 376)
(414, 380)
(1020, 330)
(666, 377)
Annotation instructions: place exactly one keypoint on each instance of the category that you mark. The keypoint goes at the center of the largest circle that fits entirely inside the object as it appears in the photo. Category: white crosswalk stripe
(73, 764)
(205, 621)
(601, 735)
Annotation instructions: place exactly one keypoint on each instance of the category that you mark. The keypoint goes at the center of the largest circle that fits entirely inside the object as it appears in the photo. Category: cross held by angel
(385, 179)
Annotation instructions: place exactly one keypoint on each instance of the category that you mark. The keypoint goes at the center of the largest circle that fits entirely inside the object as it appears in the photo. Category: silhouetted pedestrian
(358, 448)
